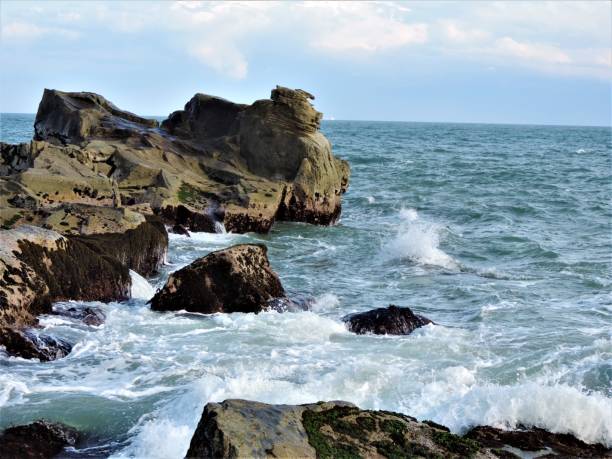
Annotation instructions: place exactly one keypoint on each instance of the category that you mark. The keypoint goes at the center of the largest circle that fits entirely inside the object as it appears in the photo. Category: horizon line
(404, 121)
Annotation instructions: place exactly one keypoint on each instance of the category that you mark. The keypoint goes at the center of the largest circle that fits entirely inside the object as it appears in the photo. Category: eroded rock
(236, 279)
(38, 440)
(29, 344)
(393, 320)
(88, 315)
(243, 166)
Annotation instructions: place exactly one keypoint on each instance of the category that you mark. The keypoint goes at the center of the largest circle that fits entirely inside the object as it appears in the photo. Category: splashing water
(418, 241)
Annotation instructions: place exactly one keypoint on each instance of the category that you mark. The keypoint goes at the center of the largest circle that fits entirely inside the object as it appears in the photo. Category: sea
(500, 234)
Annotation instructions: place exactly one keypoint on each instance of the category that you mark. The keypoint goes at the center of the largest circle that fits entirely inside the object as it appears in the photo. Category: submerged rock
(244, 166)
(29, 344)
(88, 315)
(38, 440)
(236, 279)
(538, 440)
(393, 320)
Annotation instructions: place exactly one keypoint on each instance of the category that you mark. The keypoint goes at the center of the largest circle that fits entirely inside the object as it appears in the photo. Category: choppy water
(500, 234)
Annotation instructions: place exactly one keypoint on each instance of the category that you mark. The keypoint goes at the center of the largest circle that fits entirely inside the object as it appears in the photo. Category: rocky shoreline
(93, 196)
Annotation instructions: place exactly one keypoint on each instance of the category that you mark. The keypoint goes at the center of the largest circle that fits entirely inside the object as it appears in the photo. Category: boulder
(393, 320)
(38, 440)
(236, 279)
(215, 162)
(537, 440)
(240, 428)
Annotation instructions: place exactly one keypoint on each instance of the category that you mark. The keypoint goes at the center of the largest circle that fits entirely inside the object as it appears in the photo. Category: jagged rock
(215, 161)
(180, 229)
(29, 344)
(538, 440)
(240, 428)
(236, 279)
(87, 314)
(38, 440)
(392, 320)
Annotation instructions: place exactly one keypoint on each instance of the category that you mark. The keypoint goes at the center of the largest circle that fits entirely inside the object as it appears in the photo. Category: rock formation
(241, 428)
(393, 320)
(40, 266)
(38, 440)
(242, 165)
(236, 279)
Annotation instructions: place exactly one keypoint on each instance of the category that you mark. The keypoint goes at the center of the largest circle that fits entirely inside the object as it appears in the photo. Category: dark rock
(15, 158)
(38, 440)
(180, 229)
(236, 279)
(88, 315)
(28, 344)
(142, 249)
(393, 320)
(183, 216)
(535, 439)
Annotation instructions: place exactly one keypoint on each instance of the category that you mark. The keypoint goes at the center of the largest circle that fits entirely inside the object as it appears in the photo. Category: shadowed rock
(87, 314)
(29, 344)
(38, 440)
(538, 440)
(393, 320)
(215, 161)
(236, 279)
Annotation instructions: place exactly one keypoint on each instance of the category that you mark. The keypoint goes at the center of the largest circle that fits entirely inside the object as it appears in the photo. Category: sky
(495, 62)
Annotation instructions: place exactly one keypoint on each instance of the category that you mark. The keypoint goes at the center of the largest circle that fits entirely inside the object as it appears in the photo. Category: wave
(141, 289)
(419, 241)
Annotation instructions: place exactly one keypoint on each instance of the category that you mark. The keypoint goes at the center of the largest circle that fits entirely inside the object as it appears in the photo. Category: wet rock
(38, 440)
(393, 320)
(180, 229)
(240, 428)
(87, 314)
(236, 279)
(537, 440)
(256, 163)
(29, 344)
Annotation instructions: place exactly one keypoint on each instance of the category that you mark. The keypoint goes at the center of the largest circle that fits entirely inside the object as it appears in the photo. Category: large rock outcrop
(236, 279)
(38, 440)
(215, 161)
(241, 428)
(393, 320)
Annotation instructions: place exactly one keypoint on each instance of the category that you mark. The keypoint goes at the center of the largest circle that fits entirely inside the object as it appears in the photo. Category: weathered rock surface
(38, 440)
(236, 279)
(215, 161)
(548, 444)
(241, 428)
(39, 267)
(393, 320)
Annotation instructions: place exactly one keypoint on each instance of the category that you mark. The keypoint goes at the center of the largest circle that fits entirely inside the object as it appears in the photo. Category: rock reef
(236, 279)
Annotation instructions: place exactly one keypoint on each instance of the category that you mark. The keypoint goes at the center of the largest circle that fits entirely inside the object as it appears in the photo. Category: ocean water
(500, 234)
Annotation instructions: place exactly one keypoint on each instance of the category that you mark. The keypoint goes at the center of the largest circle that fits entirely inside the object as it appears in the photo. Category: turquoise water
(500, 234)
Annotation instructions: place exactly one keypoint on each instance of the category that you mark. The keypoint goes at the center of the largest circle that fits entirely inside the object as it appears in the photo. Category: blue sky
(497, 62)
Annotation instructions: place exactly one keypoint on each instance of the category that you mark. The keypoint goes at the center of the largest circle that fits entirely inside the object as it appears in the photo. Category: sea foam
(141, 289)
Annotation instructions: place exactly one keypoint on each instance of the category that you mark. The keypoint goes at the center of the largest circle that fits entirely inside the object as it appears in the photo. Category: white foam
(141, 289)
(220, 228)
(325, 302)
(418, 241)
(371, 199)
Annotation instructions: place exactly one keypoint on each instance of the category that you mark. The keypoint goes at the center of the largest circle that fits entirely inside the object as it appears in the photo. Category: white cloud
(461, 35)
(532, 51)
(225, 60)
